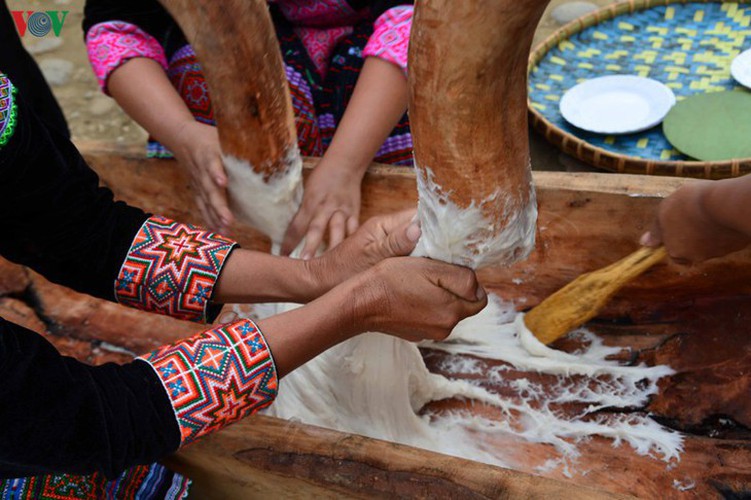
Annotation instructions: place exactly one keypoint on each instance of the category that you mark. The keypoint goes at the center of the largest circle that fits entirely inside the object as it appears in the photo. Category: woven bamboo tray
(692, 55)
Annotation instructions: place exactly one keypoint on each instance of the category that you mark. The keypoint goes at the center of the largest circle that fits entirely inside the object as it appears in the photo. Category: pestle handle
(580, 300)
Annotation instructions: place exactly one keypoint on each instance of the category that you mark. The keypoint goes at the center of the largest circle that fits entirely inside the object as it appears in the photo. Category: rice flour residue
(376, 385)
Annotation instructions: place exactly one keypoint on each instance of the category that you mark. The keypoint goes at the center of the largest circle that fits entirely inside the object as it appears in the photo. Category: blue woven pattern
(688, 47)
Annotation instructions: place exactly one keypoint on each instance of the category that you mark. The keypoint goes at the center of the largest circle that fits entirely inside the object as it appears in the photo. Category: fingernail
(414, 232)
(646, 239)
(481, 293)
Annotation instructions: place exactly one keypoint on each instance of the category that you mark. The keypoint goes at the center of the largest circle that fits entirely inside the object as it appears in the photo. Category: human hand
(688, 232)
(380, 238)
(200, 153)
(331, 201)
(409, 297)
(414, 298)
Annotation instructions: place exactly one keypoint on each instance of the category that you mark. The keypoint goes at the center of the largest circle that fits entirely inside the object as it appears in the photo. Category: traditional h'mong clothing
(323, 44)
(73, 431)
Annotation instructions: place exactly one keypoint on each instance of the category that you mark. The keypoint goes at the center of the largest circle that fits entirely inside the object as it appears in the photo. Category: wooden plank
(88, 319)
(13, 278)
(263, 455)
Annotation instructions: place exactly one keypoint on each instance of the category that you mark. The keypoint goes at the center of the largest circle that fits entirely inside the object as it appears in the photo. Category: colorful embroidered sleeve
(216, 377)
(8, 110)
(143, 481)
(390, 39)
(113, 43)
(171, 268)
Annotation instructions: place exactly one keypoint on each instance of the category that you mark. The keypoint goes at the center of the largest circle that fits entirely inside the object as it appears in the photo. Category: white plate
(617, 104)
(741, 68)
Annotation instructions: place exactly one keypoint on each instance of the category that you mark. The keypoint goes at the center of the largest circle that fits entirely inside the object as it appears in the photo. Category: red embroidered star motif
(180, 246)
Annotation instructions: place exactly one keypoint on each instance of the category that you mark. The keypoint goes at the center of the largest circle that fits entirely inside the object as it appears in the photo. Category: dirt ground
(91, 114)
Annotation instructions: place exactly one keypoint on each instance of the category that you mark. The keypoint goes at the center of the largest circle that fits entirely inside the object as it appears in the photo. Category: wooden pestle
(239, 53)
(468, 62)
(580, 300)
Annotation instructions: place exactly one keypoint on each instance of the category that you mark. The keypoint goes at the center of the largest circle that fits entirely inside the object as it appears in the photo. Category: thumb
(402, 241)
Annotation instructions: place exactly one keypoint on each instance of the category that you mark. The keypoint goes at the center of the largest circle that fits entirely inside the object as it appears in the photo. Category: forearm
(142, 89)
(726, 202)
(377, 104)
(251, 277)
(299, 335)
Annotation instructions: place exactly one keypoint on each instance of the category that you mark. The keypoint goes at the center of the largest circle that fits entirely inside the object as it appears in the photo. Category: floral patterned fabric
(216, 377)
(320, 24)
(145, 482)
(320, 44)
(112, 44)
(8, 109)
(390, 40)
(318, 13)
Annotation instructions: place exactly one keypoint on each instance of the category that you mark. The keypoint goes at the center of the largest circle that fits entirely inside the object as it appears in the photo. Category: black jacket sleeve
(54, 216)
(59, 415)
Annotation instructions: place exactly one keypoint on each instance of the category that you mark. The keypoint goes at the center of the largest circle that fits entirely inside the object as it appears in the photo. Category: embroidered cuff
(171, 268)
(216, 377)
(113, 43)
(8, 110)
(390, 39)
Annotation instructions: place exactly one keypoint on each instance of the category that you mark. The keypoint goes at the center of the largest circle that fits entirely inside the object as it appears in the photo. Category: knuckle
(315, 228)
(469, 281)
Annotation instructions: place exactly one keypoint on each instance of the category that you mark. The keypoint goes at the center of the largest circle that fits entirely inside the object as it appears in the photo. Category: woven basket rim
(576, 146)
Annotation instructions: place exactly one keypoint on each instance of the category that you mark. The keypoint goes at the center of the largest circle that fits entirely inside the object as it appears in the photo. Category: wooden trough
(693, 319)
